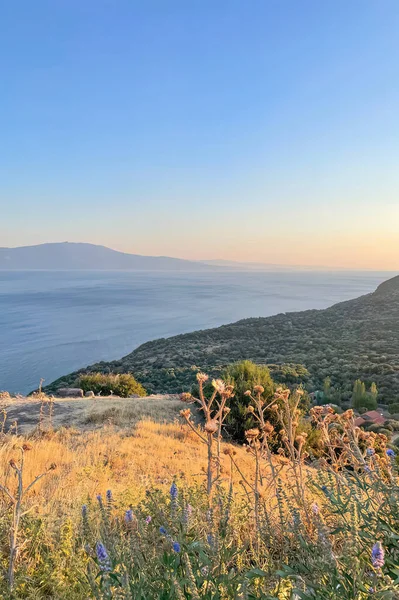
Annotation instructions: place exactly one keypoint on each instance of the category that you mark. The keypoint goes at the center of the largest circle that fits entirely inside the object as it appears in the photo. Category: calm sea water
(52, 323)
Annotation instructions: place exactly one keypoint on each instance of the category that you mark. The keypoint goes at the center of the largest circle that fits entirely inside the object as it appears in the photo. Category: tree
(361, 398)
(327, 388)
(374, 391)
(359, 394)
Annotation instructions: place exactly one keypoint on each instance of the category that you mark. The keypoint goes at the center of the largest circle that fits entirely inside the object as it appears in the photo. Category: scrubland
(127, 504)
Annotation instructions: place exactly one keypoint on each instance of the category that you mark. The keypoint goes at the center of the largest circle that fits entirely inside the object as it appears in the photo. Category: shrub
(373, 427)
(245, 376)
(122, 385)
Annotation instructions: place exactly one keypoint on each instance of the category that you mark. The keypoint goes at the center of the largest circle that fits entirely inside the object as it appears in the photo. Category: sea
(54, 322)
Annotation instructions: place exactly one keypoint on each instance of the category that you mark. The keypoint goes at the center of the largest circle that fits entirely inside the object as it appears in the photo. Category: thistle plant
(17, 500)
(215, 411)
(46, 413)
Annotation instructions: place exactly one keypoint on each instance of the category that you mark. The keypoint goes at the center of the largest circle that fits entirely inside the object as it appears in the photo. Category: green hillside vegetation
(357, 339)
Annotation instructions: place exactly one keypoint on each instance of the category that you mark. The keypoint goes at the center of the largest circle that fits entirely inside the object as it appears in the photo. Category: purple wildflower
(163, 531)
(176, 547)
(187, 512)
(324, 489)
(370, 451)
(109, 496)
(391, 453)
(173, 491)
(99, 498)
(84, 511)
(103, 557)
(129, 516)
(377, 556)
(148, 519)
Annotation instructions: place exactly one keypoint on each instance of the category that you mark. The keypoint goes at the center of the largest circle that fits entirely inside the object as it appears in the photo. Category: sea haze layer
(52, 323)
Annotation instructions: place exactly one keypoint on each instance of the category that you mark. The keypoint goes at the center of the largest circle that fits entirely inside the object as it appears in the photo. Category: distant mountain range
(74, 256)
(67, 256)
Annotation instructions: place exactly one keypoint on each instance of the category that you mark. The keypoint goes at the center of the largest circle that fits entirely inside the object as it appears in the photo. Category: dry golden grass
(135, 444)
(126, 461)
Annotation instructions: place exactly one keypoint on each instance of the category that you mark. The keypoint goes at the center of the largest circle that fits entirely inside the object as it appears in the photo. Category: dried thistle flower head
(300, 392)
(247, 393)
(300, 439)
(13, 464)
(186, 414)
(219, 386)
(202, 377)
(268, 428)
(228, 451)
(186, 397)
(26, 447)
(211, 426)
(252, 434)
(259, 389)
(348, 414)
(226, 410)
(52, 467)
(250, 409)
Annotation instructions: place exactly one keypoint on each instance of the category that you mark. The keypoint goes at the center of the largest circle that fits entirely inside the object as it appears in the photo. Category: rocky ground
(26, 413)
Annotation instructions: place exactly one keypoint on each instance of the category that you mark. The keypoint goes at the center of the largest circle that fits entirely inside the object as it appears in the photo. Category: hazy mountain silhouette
(74, 256)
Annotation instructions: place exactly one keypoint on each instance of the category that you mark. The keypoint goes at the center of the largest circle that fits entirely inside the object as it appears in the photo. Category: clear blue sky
(254, 130)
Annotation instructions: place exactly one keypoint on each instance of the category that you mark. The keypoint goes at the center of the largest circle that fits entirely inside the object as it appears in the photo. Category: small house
(372, 416)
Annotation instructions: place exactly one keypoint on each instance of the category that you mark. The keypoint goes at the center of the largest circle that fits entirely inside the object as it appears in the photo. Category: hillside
(357, 338)
(72, 256)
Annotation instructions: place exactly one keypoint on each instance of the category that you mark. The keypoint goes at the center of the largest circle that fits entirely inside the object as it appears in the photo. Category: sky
(250, 130)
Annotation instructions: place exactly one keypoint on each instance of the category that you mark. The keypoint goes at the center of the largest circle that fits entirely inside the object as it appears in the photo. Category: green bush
(373, 427)
(120, 384)
(393, 408)
(245, 375)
